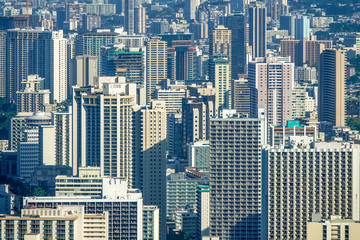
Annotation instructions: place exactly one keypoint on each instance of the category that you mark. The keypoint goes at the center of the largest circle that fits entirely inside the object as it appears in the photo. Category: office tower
(90, 44)
(280, 135)
(203, 212)
(125, 62)
(305, 51)
(181, 191)
(151, 223)
(219, 75)
(150, 157)
(125, 208)
(279, 8)
(238, 5)
(129, 16)
(235, 159)
(140, 20)
(71, 62)
(156, 67)
(241, 95)
(288, 23)
(181, 60)
(196, 114)
(12, 21)
(333, 228)
(257, 30)
(332, 87)
(104, 121)
(32, 98)
(86, 70)
(220, 41)
(185, 221)
(174, 135)
(306, 179)
(58, 83)
(173, 99)
(199, 155)
(2, 64)
(55, 140)
(191, 7)
(237, 24)
(64, 222)
(302, 28)
(271, 82)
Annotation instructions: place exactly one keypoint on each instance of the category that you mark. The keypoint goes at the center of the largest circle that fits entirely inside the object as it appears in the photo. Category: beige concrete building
(150, 157)
(102, 129)
(271, 81)
(220, 41)
(139, 20)
(32, 98)
(156, 67)
(241, 95)
(332, 87)
(86, 70)
(333, 229)
(64, 222)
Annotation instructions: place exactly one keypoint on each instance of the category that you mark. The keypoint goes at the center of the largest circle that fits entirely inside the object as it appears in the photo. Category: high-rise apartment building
(304, 180)
(102, 129)
(129, 16)
(150, 223)
(36, 52)
(32, 98)
(190, 9)
(64, 222)
(304, 51)
(55, 140)
(150, 157)
(219, 75)
(287, 22)
(220, 41)
(125, 208)
(2, 64)
(240, 94)
(86, 70)
(257, 30)
(271, 81)
(235, 159)
(172, 98)
(203, 212)
(90, 44)
(332, 87)
(156, 67)
(199, 155)
(139, 20)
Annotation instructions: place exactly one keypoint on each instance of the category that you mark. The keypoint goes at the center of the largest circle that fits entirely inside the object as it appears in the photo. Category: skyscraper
(303, 180)
(271, 82)
(190, 9)
(86, 70)
(302, 28)
(257, 30)
(235, 177)
(156, 66)
(150, 157)
(219, 75)
(90, 43)
(332, 87)
(288, 23)
(102, 129)
(220, 41)
(139, 20)
(237, 24)
(129, 16)
(2, 64)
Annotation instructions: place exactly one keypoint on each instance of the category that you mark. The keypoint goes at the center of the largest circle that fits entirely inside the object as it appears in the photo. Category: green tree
(39, 192)
(188, 236)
